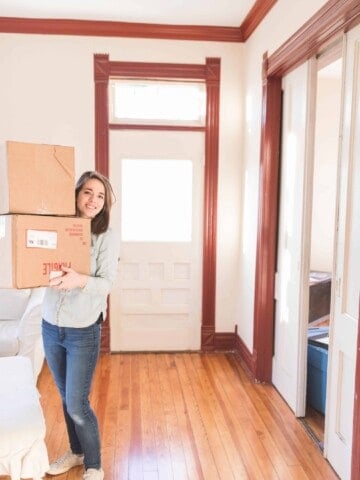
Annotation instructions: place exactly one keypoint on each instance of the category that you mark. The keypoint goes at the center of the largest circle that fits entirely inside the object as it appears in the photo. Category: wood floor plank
(148, 438)
(315, 466)
(279, 427)
(246, 432)
(205, 453)
(135, 449)
(186, 434)
(222, 420)
(270, 433)
(165, 467)
(176, 449)
(123, 426)
(299, 440)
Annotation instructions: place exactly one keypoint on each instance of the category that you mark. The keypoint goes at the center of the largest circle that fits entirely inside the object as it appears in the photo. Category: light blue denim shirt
(81, 307)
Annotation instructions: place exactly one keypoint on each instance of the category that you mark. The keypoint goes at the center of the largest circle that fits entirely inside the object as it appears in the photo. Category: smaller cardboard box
(34, 248)
(37, 179)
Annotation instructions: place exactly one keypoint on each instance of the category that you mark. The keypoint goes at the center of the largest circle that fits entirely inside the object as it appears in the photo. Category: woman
(73, 310)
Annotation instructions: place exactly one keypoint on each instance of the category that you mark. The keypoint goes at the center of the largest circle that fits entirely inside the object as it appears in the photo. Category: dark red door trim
(267, 226)
(210, 74)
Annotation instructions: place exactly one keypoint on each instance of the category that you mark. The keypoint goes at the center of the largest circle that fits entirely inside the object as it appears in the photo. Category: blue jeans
(72, 354)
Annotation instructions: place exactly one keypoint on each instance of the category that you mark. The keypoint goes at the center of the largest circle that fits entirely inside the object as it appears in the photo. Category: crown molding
(97, 28)
(256, 15)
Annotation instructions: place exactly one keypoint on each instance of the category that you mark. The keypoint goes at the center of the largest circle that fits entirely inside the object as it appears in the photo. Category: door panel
(293, 252)
(340, 396)
(156, 302)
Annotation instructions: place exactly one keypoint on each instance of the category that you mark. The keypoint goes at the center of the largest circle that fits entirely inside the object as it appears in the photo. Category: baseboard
(244, 355)
(230, 341)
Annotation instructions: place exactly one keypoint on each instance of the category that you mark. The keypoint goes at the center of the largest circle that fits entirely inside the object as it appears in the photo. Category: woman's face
(91, 198)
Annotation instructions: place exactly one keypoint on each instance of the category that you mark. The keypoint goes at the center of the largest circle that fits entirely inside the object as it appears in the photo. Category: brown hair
(100, 223)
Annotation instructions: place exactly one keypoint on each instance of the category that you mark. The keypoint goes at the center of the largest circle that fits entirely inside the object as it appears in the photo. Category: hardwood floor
(188, 416)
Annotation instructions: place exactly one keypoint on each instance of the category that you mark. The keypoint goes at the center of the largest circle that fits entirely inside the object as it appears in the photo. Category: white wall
(47, 96)
(283, 20)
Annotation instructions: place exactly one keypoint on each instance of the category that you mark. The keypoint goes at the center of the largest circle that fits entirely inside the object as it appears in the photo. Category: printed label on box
(41, 239)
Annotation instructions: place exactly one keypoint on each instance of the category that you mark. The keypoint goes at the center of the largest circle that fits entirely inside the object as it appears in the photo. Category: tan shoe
(65, 463)
(93, 474)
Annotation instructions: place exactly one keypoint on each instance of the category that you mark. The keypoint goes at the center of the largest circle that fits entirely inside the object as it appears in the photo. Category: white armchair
(20, 325)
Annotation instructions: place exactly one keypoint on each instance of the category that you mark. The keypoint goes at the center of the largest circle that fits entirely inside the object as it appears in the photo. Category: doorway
(323, 221)
(209, 73)
(156, 300)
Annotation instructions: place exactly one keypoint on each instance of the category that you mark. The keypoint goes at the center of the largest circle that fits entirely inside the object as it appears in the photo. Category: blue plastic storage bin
(316, 377)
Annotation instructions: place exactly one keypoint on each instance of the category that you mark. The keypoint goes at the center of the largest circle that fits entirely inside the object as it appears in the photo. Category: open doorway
(323, 220)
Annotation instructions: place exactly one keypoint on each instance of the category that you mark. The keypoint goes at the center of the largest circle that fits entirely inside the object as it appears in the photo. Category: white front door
(156, 301)
(343, 335)
(289, 360)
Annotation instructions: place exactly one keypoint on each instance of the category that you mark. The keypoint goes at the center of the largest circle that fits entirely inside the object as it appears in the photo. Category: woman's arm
(106, 252)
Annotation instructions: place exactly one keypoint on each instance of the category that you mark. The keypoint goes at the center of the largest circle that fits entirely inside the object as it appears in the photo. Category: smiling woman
(74, 308)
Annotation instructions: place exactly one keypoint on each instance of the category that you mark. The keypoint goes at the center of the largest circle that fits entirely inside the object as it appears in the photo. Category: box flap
(41, 178)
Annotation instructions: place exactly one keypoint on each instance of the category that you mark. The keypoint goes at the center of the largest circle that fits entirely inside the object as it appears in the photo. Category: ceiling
(227, 13)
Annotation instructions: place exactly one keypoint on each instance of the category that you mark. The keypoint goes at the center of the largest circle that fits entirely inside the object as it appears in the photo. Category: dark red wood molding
(101, 78)
(243, 354)
(224, 341)
(176, 128)
(210, 202)
(158, 70)
(258, 12)
(334, 18)
(97, 28)
(267, 228)
(355, 457)
(210, 74)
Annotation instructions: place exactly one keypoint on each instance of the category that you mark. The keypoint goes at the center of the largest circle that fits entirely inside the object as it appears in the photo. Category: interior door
(156, 302)
(343, 335)
(289, 360)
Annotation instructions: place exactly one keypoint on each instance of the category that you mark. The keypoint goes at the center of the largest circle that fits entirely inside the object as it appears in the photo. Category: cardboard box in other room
(35, 247)
(37, 179)
(317, 377)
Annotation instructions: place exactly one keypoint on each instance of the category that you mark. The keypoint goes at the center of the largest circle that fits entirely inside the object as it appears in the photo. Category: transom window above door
(157, 102)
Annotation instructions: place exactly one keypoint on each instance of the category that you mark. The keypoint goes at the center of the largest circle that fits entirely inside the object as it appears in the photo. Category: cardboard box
(317, 377)
(37, 179)
(34, 247)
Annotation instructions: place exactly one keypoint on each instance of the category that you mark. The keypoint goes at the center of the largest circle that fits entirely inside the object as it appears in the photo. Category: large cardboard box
(33, 247)
(37, 179)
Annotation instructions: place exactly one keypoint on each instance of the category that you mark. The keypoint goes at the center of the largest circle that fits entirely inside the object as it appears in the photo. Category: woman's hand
(69, 280)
